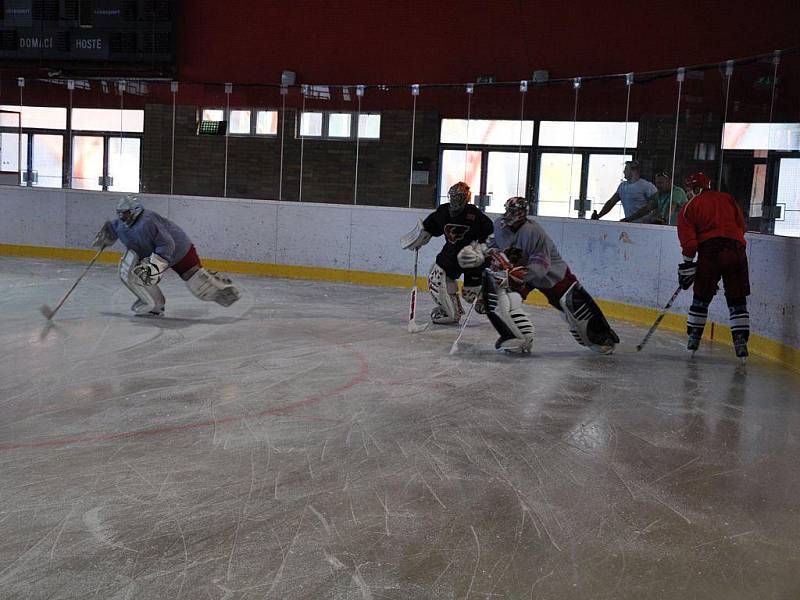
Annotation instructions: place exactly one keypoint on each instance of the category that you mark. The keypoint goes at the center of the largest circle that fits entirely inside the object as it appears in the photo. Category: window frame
(325, 135)
(253, 110)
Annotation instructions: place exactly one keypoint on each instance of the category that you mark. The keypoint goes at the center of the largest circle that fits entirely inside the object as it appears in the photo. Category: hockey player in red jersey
(711, 225)
(522, 257)
(460, 223)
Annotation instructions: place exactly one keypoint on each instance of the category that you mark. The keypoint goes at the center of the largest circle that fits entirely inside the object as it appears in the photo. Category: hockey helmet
(459, 196)
(129, 208)
(697, 180)
(516, 212)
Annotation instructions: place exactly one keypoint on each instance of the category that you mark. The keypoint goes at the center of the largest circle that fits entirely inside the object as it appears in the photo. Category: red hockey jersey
(706, 216)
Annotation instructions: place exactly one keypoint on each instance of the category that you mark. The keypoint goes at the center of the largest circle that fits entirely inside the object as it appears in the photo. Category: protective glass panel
(123, 164)
(48, 152)
(458, 165)
(605, 175)
(507, 176)
(87, 162)
(559, 184)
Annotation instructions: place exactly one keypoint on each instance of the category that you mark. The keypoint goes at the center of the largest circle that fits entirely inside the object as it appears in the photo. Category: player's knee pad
(739, 318)
(696, 319)
(586, 321)
(150, 298)
(504, 309)
(444, 292)
(213, 287)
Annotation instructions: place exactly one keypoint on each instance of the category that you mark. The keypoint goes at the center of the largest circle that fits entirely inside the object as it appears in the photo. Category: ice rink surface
(302, 444)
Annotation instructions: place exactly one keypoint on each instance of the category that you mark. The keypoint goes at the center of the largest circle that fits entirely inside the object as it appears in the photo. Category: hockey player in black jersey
(461, 223)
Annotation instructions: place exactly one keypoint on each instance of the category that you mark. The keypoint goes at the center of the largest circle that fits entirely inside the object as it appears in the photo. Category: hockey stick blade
(46, 311)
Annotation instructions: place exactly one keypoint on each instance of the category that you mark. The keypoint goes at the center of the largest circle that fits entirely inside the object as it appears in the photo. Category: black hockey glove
(687, 271)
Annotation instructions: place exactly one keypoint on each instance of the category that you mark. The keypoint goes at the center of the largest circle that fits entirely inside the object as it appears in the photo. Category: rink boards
(632, 268)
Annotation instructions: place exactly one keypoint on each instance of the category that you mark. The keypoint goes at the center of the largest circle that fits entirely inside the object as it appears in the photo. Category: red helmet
(516, 212)
(697, 180)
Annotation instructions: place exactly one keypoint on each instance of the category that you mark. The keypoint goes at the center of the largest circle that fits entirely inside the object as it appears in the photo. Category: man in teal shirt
(658, 205)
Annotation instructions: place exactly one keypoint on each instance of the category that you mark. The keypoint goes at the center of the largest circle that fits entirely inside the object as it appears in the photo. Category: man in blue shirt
(633, 192)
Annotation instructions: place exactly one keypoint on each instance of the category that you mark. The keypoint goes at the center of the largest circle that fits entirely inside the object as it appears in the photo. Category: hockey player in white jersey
(520, 257)
(154, 244)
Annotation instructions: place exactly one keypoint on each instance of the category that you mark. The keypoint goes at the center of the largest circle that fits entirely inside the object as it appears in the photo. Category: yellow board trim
(758, 344)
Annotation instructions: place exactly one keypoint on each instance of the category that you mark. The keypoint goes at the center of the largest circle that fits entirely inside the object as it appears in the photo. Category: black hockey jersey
(468, 226)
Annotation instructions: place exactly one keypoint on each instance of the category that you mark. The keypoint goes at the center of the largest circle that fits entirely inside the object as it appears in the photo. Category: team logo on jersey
(454, 232)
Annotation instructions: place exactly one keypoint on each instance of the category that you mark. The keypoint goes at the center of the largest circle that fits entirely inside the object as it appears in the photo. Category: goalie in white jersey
(154, 244)
(520, 257)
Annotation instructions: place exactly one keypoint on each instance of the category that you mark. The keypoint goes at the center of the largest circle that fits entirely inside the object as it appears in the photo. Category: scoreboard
(80, 32)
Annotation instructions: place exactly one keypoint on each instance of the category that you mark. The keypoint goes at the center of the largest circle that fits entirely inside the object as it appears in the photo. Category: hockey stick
(454, 347)
(658, 319)
(50, 313)
(413, 326)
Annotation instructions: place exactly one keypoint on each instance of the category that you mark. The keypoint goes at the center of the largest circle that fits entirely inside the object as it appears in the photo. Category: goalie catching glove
(150, 270)
(472, 256)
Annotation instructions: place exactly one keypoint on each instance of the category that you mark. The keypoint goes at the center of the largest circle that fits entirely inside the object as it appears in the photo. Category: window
(761, 136)
(240, 122)
(589, 134)
(311, 124)
(107, 119)
(267, 122)
(369, 126)
(213, 114)
(245, 121)
(489, 132)
(340, 125)
(36, 117)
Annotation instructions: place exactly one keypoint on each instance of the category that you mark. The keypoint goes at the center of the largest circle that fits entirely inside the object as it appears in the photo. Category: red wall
(445, 41)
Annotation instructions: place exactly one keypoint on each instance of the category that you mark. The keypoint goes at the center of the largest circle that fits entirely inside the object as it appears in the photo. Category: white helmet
(129, 209)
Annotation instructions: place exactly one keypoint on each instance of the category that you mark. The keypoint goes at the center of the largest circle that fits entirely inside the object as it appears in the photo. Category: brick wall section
(254, 162)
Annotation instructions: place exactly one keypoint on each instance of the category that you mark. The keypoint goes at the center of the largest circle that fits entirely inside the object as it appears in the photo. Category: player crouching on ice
(522, 257)
(461, 223)
(154, 244)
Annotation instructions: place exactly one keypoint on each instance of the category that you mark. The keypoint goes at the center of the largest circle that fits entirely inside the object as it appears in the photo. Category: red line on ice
(360, 377)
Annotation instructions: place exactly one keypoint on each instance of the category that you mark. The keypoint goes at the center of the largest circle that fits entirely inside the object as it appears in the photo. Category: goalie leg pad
(587, 320)
(149, 297)
(213, 287)
(504, 310)
(445, 294)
